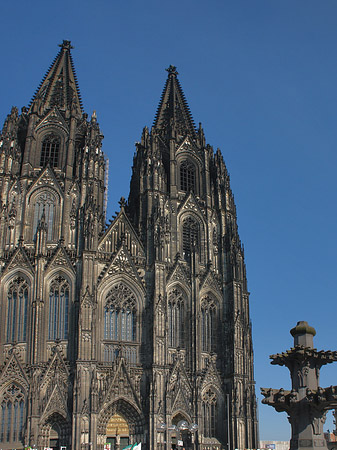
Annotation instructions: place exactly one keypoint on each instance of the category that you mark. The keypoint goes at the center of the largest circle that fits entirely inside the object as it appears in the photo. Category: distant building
(115, 334)
(274, 445)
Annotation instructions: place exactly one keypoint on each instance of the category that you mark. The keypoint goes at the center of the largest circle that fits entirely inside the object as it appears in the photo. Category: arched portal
(183, 435)
(120, 423)
(55, 432)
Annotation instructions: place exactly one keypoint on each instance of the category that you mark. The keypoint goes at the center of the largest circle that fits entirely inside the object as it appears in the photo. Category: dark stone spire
(59, 85)
(173, 117)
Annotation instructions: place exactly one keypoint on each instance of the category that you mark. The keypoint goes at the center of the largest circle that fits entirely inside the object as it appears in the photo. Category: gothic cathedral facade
(136, 331)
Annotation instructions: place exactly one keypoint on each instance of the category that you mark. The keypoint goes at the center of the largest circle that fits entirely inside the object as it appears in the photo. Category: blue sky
(261, 76)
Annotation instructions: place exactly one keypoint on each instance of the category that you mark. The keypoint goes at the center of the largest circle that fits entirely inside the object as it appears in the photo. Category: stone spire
(59, 86)
(173, 117)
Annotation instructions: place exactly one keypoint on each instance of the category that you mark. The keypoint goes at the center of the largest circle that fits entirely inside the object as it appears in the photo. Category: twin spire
(173, 113)
(59, 88)
(59, 85)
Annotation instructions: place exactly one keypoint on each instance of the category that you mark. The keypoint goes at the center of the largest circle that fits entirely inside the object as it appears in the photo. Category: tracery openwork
(209, 409)
(12, 414)
(176, 318)
(45, 204)
(208, 325)
(187, 176)
(120, 314)
(17, 306)
(50, 151)
(58, 309)
(190, 237)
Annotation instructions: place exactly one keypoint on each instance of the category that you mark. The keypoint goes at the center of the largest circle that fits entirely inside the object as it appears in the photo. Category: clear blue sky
(261, 76)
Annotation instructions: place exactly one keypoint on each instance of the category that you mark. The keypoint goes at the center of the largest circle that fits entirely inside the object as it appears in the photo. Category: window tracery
(208, 325)
(209, 407)
(176, 318)
(44, 204)
(50, 151)
(187, 176)
(58, 309)
(17, 306)
(12, 414)
(190, 237)
(120, 314)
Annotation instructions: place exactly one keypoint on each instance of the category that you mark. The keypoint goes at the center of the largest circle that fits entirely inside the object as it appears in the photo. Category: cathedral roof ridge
(59, 86)
(173, 110)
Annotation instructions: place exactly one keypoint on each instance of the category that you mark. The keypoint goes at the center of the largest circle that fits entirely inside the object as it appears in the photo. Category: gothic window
(44, 204)
(190, 237)
(17, 305)
(120, 314)
(187, 176)
(50, 151)
(12, 414)
(176, 318)
(209, 409)
(208, 325)
(58, 309)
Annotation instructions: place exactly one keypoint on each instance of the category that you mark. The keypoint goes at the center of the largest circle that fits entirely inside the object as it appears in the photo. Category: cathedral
(136, 331)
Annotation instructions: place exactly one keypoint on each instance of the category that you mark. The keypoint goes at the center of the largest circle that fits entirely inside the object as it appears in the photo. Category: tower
(136, 331)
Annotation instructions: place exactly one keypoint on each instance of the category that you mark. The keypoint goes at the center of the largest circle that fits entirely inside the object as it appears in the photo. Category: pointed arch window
(17, 307)
(50, 151)
(45, 203)
(12, 414)
(209, 410)
(58, 309)
(208, 325)
(191, 237)
(187, 176)
(120, 314)
(176, 318)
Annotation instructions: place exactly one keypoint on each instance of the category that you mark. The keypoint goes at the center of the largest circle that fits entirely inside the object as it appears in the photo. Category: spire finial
(172, 70)
(66, 45)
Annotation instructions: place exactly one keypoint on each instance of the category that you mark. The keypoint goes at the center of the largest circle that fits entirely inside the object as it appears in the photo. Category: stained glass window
(208, 325)
(58, 309)
(44, 204)
(120, 314)
(17, 304)
(190, 237)
(12, 414)
(209, 403)
(176, 318)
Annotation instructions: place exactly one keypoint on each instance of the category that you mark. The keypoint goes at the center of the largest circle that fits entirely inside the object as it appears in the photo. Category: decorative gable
(211, 377)
(122, 263)
(179, 388)
(120, 385)
(191, 204)
(178, 273)
(46, 179)
(121, 231)
(19, 260)
(211, 282)
(56, 372)
(56, 403)
(14, 372)
(53, 118)
(60, 259)
(188, 146)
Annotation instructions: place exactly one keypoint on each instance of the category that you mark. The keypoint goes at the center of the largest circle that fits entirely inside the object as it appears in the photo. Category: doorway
(117, 433)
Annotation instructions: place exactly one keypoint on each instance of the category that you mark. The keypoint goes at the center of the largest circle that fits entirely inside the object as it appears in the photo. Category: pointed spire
(173, 114)
(59, 86)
